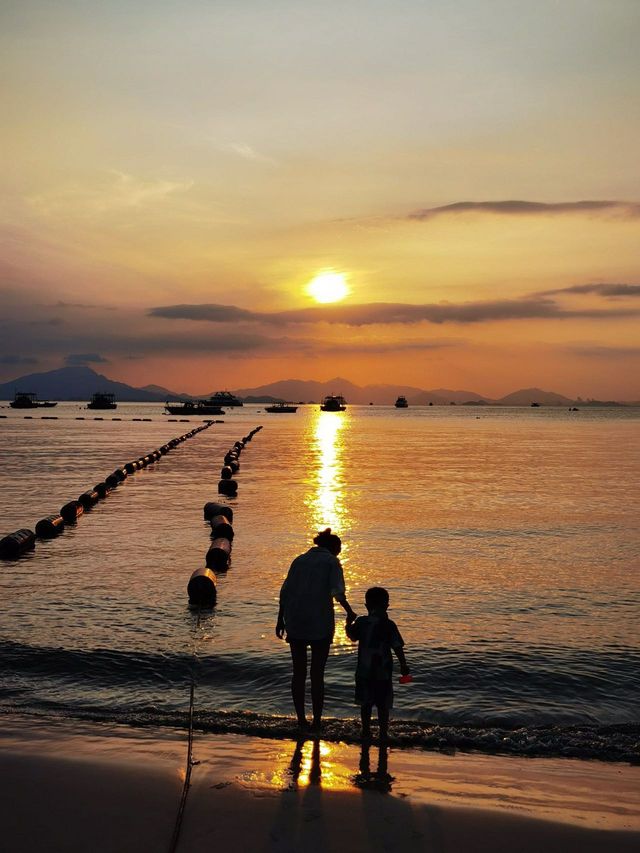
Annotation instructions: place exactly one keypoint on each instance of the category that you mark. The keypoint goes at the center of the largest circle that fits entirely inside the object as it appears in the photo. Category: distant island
(79, 383)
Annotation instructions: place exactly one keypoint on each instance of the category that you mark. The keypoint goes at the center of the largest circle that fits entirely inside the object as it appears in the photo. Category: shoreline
(73, 786)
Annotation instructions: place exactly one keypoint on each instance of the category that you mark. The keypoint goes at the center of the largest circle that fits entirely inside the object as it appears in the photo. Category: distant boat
(535, 405)
(29, 400)
(281, 408)
(401, 403)
(333, 403)
(224, 398)
(102, 401)
(193, 407)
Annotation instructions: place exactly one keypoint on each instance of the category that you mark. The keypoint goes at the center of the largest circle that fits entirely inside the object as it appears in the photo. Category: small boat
(102, 401)
(333, 403)
(224, 398)
(192, 407)
(401, 403)
(281, 408)
(29, 400)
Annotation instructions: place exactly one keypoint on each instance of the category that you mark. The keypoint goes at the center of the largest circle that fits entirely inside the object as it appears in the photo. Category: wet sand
(77, 787)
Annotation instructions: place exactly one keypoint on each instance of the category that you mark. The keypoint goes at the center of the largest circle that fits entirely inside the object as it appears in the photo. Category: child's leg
(383, 720)
(365, 713)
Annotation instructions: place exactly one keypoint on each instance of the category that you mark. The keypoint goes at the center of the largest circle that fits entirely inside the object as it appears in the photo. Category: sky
(174, 174)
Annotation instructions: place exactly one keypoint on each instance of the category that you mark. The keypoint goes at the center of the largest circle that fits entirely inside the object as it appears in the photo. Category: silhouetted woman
(306, 614)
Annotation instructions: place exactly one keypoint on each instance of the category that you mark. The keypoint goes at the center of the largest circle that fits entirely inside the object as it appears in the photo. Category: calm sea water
(507, 539)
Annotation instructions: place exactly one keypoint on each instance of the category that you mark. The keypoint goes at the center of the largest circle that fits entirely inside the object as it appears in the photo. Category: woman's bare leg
(299, 678)
(319, 655)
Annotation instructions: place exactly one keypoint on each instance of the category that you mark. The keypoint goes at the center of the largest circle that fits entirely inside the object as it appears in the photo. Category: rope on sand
(189, 764)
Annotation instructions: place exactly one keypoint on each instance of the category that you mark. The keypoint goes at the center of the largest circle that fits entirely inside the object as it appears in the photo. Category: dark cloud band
(515, 207)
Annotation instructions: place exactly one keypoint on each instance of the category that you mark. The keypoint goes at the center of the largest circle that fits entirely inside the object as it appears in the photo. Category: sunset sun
(328, 286)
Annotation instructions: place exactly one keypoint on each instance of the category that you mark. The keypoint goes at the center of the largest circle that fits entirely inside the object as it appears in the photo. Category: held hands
(351, 618)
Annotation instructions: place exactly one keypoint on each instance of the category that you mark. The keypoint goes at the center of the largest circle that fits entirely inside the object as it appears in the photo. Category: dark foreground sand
(73, 787)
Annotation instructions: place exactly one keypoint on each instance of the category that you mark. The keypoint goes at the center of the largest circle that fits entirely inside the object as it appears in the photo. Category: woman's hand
(280, 628)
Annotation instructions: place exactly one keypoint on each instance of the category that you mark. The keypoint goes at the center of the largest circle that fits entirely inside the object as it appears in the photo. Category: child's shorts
(378, 693)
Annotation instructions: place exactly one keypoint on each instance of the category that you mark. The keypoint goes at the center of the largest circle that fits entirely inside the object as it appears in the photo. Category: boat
(192, 407)
(224, 398)
(102, 401)
(29, 400)
(401, 403)
(282, 408)
(333, 403)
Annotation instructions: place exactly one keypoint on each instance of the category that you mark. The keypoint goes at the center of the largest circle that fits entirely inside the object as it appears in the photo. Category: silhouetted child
(377, 635)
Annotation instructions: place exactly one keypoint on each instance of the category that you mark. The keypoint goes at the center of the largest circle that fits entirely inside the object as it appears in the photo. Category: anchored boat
(333, 403)
(102, 401)
(281, 407)
(224, 398)
(401, 403)
(29, 400)
(192, 407)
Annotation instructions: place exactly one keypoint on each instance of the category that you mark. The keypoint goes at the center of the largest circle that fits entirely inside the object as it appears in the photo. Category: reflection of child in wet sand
(377, 635)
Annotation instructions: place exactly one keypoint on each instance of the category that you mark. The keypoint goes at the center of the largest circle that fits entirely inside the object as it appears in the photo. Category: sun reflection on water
(326, 498)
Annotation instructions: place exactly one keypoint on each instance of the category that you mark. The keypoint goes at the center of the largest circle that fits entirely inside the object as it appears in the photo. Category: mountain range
(79, 383)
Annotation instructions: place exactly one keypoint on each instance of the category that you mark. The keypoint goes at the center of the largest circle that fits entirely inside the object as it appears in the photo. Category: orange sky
(162, 159)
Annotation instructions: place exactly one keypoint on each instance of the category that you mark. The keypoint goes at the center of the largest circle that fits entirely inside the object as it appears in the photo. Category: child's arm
(404, 666)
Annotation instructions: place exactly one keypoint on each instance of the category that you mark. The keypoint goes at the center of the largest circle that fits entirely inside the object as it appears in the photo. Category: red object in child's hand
(405, 679)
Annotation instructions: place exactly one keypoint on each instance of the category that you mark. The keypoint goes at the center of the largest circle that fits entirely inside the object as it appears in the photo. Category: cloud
(528, 208)
(390, 313)
(116, 191)
(84, 305)
(17, 359)
(80, 358)
(599, 351)
(248, 153)
(609, 291)
(211, 312)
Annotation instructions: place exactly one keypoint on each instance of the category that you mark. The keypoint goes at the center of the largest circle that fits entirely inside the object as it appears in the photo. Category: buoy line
(15, 544)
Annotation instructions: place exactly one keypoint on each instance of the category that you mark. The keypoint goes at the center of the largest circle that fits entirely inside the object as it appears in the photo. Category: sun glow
(328, 286)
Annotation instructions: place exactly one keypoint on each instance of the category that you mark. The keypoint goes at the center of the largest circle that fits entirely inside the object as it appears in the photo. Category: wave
(619, 743)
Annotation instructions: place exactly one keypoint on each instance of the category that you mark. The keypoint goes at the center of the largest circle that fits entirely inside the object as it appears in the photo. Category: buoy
(201, 588)
(102, 489)
(234, 465)
(220, 528)
(226, 473)
(17, 543)
(131, 467)
(212, 509)
(50, 527)
(112, 481)
(120, 474)
(219, 554)
(72, 511)
(228, 487)
(89, 499)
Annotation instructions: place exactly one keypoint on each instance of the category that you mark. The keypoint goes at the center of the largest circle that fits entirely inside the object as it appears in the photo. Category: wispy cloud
(515, 207)
(247, 152)
(116, 192)
(599, 351)
(213, 312)
(81, 358)
(609, 291)
(17, 359)
(388, 313)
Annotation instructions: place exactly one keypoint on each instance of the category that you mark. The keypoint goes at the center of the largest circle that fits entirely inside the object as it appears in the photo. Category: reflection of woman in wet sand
(306, 614)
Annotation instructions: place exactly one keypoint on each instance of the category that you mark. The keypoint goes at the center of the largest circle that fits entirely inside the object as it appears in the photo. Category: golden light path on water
(326, 497)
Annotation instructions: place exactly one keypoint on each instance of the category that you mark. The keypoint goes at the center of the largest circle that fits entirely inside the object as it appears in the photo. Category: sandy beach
(77, 787)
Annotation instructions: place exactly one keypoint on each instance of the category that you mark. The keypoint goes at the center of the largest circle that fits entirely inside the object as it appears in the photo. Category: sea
(506, 537)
